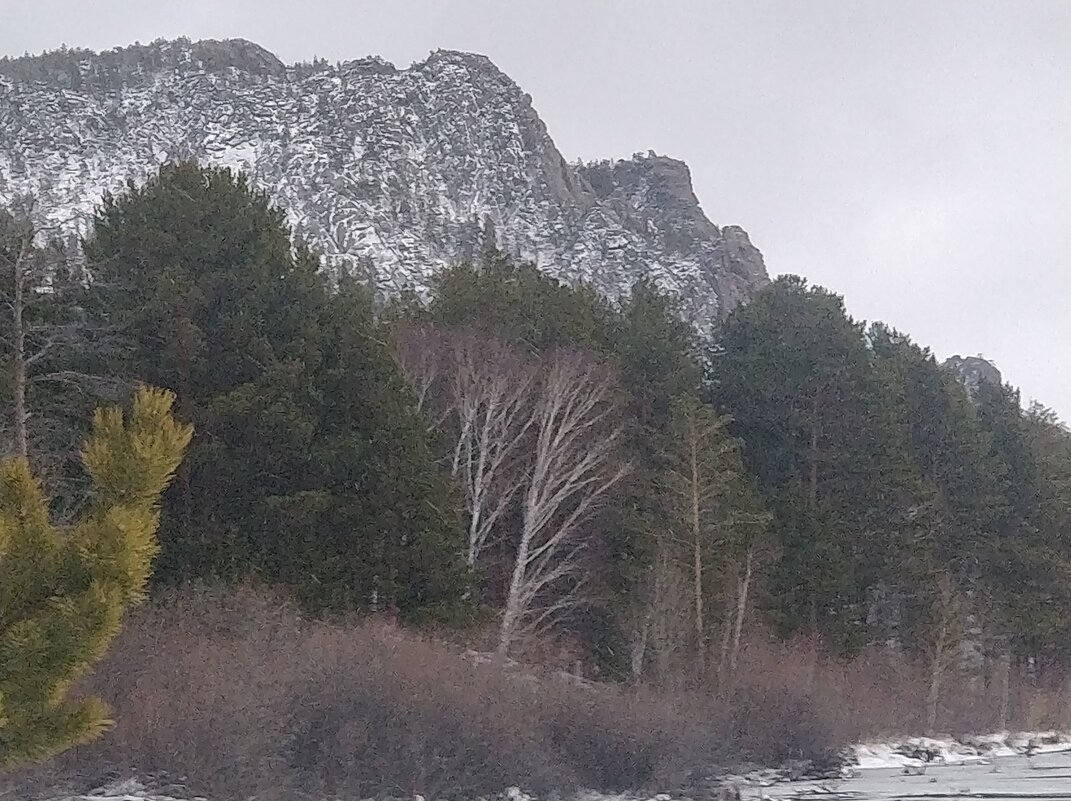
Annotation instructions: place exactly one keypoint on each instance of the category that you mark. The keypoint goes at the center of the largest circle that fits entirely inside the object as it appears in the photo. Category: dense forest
(529, 467)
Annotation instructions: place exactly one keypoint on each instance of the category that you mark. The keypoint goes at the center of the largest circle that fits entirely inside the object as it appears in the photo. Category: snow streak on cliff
(398, 172)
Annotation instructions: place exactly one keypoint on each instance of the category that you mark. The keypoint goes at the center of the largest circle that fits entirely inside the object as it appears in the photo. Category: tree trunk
(22, 447)
(639, 650)
(741, 607)
(1065, 718)
(812, 460)
(726, 644)
(812, 501)
(513, 601)
(812, 665)
(936, 673)
(697, 562)
(949, 610)
(1005, 689)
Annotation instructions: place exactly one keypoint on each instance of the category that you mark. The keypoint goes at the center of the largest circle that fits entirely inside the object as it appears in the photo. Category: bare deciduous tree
(949, 611)
(574, 465)
(51, 342)
(541, 435)
(22, 266)
(492, 392)
(486, 390)
(419, 351)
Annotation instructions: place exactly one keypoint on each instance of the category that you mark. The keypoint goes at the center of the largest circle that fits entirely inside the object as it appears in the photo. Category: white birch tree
(492, 394)
(480, 390)
(574, 466)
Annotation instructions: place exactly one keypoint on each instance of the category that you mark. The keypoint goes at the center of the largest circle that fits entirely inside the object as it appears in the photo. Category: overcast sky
(912, 156)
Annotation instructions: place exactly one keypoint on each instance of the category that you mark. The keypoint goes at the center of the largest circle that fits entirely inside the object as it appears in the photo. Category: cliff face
(972, 371)
(397, 171)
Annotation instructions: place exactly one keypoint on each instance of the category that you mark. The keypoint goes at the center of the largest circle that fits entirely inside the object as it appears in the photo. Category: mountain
(972, 371)
(396, 171)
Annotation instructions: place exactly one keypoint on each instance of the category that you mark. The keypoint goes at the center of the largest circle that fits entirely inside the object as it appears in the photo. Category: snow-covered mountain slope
(396, 171)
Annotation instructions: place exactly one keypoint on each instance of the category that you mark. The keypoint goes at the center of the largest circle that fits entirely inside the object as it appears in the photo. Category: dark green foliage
(795, 374)
(312, 469)
(954, 525)
(309, 465)
(519, 304)
(653, 354)
(1027, 570)
(1050, 444)
(369, 481)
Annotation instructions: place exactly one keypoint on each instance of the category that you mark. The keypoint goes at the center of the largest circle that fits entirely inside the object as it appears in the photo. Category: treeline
(517, 456)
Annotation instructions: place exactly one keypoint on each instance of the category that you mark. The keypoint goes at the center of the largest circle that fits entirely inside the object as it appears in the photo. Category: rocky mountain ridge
(396, 171)
(973, 371)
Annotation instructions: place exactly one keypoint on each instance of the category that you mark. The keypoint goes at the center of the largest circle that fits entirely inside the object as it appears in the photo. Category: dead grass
(883, 694)
(238, 692)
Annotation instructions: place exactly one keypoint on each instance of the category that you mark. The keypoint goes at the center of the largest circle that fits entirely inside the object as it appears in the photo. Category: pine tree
(373, 524)
(716, 525)
(63, 591)
(1026, 569)
(654, 352)
(954, 525)
(309, 466)
(1050, 444)
(520, 304)
(793, 370)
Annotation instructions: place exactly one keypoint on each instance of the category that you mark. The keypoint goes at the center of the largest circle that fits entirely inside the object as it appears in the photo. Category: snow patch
(387, 168)
(919, 751)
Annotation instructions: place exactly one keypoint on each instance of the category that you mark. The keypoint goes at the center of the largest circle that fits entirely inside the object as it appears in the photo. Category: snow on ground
(1045, 777)
(916, 751)
(1005, 766)
(128, 790)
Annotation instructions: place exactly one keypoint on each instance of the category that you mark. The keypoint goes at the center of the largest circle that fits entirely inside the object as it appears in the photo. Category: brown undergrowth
(238, 692)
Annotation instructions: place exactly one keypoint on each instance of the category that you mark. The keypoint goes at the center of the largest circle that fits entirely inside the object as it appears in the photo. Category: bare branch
(574, 468)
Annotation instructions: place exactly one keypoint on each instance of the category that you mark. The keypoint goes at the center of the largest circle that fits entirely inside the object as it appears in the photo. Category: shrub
(240, 693)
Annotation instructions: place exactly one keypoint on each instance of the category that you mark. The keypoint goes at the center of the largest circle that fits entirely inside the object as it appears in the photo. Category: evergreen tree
(304, 442)
(520, 304)
(373, 524)
(794, 371)
(715, 526)
(1028, 567)
(198, 271)
(63, 591)
(1050, 444)
(955, 523)
(654, 353)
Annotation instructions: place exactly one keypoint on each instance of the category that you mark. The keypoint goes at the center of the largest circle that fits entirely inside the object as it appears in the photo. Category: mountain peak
(397, 171)
(69, 68)
(973, 371)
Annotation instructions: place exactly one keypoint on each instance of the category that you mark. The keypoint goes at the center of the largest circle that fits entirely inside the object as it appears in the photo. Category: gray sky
(912, 156)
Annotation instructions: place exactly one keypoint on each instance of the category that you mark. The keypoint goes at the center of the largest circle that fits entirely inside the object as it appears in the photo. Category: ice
(1044, 776)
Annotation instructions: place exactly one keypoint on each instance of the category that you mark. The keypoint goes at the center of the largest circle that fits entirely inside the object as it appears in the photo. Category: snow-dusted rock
(397, 171)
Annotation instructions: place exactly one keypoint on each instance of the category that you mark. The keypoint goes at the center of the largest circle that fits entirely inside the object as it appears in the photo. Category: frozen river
(1045, 776)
